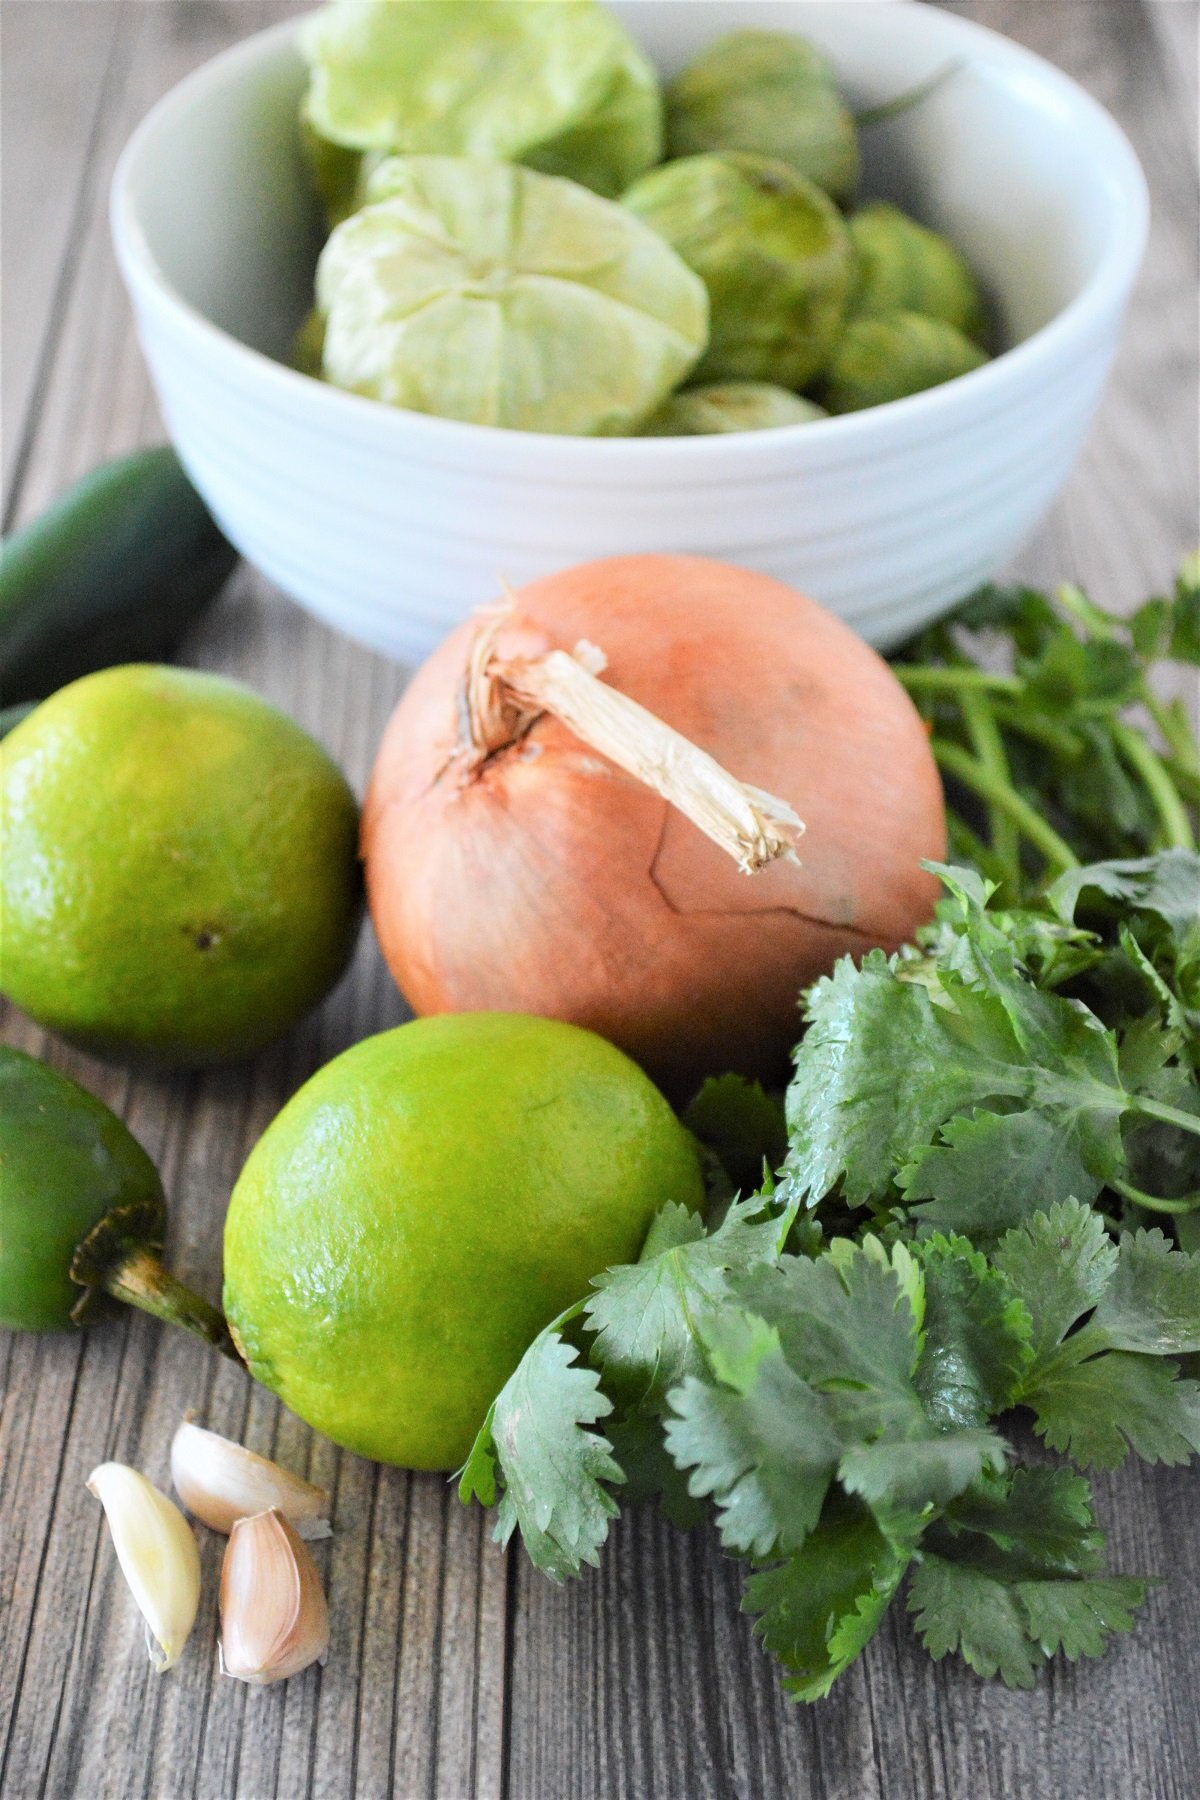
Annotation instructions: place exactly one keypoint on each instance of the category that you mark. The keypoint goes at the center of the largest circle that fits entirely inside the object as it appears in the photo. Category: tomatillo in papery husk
(562, 88)
(892, 355)
(903, 266)
(773, 252)
(483, 292)
(722, 406)
(770, 92)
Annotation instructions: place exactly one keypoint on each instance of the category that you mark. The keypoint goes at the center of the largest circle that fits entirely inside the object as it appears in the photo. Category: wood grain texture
(456, 1670)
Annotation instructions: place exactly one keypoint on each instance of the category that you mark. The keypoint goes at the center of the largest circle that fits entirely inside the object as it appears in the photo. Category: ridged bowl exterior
(392, 525)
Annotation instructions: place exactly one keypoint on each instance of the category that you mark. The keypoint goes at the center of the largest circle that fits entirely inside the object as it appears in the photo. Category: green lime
(424, 1205)
(66, 1162)
(179, 879)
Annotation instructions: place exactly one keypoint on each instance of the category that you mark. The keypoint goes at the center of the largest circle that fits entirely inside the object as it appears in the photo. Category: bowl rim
(1108, 284)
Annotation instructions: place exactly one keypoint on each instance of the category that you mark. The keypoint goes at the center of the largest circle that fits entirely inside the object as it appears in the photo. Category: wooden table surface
(455, 1669)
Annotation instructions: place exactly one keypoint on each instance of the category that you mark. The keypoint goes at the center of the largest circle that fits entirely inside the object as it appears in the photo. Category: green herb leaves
(553, 1466)
(758, 1440)
(1045, 765)
(1103, 1390)
(839, 1412)
(821, 1607)
(973, 1083)
(1010, 1577)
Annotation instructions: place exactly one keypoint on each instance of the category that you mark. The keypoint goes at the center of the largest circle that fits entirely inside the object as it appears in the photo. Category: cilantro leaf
(1060, 1262)
(977, 1336)
(910, 1474)
(876, 1074)
(849, 1324)
(896, 1052)
(1011, 1576)
(990, 1171)
(817, 1610)
(760, 1441)
(1038, 1520)
(1151, 904)
(1093, 1395)
(644, 1315)
(965, 1610)
(1079, 1618)
(1096, 1408)
(1152, 1303)
(1167, 885)
(1057, 728)
(743, 1126)
(552, 1466)
(1010, 1628)
(1170, 629)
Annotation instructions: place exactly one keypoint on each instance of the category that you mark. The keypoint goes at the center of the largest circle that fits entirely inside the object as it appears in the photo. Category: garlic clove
(274, 1616)
(222, 1482)
(157, 1554)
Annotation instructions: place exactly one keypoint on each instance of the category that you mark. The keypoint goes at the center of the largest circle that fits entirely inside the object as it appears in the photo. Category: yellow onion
(519, 860)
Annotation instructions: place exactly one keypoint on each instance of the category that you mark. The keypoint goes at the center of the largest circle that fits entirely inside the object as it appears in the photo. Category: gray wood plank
(456, 1670)
(1176, 25)
(50, 110)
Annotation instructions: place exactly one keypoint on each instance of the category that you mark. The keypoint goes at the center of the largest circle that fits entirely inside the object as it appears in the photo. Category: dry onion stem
(504, 696)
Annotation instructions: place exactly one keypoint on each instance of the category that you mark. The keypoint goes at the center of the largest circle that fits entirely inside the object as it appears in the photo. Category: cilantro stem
(1145, 761)
(938, 678)
(1176, 730)
(956, 761)
(1187, 780)
(984, 734)
(1169, 1115)
(1095, 621)
(1187, 1203)
(1041, 731)
(964, 841)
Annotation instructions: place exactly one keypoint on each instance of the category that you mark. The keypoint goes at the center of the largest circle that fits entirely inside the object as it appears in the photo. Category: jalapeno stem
(142, 1281)
(119, 1258)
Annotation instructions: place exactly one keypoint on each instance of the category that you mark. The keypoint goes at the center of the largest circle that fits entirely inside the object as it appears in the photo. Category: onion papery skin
(547, 881)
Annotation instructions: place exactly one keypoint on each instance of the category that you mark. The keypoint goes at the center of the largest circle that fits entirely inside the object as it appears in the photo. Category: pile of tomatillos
(529, 230)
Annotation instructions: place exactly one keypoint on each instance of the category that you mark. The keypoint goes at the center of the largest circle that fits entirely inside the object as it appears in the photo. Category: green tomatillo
(770, 92)
(773, 252)
(904, 266)
(889, 356)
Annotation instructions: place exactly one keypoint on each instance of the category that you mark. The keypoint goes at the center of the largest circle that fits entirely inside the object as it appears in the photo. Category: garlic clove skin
(222, 1482)
(274, 1615)
(157, 1554)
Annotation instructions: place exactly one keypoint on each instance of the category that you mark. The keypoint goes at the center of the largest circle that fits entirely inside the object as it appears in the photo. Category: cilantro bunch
(983, 1216)
(840, 1413)
(1034, 707)
(1012, 1060)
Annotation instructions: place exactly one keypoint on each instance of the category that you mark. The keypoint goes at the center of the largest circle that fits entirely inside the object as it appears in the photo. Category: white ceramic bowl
(392, 525)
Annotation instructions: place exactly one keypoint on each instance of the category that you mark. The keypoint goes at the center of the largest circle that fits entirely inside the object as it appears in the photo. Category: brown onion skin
(550, 882)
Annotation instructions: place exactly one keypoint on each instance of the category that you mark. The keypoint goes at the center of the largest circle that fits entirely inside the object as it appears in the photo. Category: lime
(424, 1205)
(66, 1162)
(179, 878)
